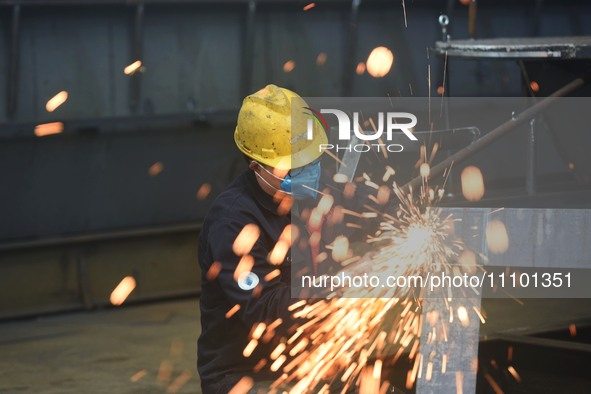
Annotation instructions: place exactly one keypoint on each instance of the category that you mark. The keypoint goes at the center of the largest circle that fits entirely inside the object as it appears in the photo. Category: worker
(283, 165)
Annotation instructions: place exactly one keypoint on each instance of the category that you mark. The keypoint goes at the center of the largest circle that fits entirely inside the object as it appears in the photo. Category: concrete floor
(101, 351)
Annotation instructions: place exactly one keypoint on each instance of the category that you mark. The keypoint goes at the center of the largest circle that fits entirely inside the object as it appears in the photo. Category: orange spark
(340, 178)
(316, 217)
(164, 372)
(429, 373)
(138, 375)
(510, 353)
(278, 350)
(321, 59)
(259, 330)
(325, 204)
(572, 328)
(472, 183)
(132, 68)
(243, 386)
(232, 311)
(497, 238)
(425, 170)
(277, 255)
(214, 270)
(44, 129)
(259, 366)
(246, 239)
(513, 372)
(360, 68)
(285, 205)
(440, 90)
(463, 316)
(250, 348)
(123, 290)
(340, 251)
(389, 172)
(383, 195)
(534, 86)
(203, 191)
(179, 382)
(156, 168)
(272, 275)
(309, 6)
(56, 101)
(379, 62)
(277, 364)
(244, 265)
(459, 382)
(349, 190)
(288, 66)
(468, 260)
(479, 314)
(495, 386)
(377, 370)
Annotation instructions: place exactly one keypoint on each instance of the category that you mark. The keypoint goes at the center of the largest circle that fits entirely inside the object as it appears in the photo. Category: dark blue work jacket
(220, 360)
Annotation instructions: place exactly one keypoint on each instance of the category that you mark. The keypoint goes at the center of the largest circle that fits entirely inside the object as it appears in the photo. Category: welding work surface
(156, 345)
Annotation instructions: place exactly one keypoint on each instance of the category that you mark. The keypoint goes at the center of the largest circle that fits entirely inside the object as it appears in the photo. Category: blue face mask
(300, 182)
(303, 182)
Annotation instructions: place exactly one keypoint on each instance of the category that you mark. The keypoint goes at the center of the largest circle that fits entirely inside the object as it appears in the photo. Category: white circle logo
(248, 280)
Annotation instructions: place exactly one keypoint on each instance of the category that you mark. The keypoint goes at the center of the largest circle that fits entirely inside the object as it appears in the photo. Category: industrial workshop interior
(287, 196)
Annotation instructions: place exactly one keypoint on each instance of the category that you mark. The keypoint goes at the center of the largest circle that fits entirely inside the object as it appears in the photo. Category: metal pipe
(501, 130)
(12, 98)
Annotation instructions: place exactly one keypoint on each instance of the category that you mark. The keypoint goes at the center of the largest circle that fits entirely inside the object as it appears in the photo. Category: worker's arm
(255, 306)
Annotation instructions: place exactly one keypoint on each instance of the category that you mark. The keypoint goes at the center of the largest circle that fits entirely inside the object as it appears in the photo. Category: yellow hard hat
(264, 131)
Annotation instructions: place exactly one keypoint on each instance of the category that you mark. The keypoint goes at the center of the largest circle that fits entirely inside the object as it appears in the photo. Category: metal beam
(501, 130)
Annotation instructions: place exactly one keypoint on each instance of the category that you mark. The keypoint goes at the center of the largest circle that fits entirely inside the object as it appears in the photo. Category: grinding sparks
(514, 373)
(203, 191)
(232, 311)
(56, 101)
(136, 377)
(379, 62)
(246, 239)
(497, 238)
(179, 382)
(309, 6)
(463, 316)
(360, 69)
(321, 59)
(46, 129)
(243, 386)
(572, 328)
(214, 270)
(342, 335)
(132, 68)
(155, 169)
(122, 291)
(289, 66)
(472, 183)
